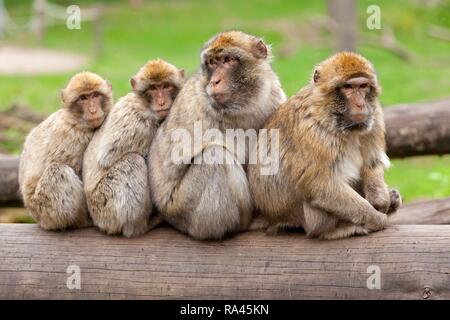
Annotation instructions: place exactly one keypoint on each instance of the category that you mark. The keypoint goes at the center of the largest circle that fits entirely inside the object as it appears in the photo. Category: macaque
(236, 88)
(115, 162)
(331, 156)
(51, 161)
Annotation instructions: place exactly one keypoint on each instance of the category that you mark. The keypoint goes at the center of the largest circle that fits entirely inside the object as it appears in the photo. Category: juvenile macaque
(235, 89)
(51, 161)
(331, 156)
(115, 165)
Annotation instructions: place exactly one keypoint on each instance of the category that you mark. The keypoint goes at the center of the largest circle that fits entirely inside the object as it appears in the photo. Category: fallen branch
(418, 129)
(9, 181)
(413, 262)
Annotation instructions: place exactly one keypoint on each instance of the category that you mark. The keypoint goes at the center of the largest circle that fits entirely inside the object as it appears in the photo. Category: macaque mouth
(221, 96)
(162, 110)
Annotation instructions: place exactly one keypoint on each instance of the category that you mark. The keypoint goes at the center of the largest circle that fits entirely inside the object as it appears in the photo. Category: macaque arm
(340, 199)
(125, 135)
(375, 161)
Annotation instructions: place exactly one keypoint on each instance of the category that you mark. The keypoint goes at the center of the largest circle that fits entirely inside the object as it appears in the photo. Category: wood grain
(414, 263)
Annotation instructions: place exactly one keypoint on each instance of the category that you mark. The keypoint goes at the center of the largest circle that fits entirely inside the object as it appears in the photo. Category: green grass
(176, 30)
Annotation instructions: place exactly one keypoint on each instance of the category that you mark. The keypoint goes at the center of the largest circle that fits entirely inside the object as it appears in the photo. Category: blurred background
(39, 52)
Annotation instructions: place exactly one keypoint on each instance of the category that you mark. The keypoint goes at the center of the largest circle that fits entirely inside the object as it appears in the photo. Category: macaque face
(91, 105)
(222, 73)
(161, 97)
(355, 97)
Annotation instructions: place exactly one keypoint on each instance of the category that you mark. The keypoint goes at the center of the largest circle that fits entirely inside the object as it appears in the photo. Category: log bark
(414, 263)
(418, 129)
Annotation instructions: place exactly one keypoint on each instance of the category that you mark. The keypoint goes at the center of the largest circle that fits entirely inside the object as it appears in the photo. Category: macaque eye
(95, 94)
(211, 62)
(83, 97)
(347, 86)
(152, 87)
(227, 59)
(166, 85)
(363, 86)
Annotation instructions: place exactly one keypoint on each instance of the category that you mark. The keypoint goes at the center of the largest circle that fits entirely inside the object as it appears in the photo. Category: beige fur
(209, 201)
(51, 161)
(115, 165)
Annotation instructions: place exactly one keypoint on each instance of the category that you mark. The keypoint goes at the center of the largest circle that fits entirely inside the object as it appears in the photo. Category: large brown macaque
(115, 167)
(331, 156)
(51, 161)
(235, 89)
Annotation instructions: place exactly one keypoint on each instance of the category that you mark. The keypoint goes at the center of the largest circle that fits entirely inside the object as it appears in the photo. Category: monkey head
(89, 97)
(158, 82)
(233, 63)
(347, 87)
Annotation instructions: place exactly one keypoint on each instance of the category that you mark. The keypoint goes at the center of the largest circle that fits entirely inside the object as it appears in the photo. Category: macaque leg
(59, 202)
(120, 203)
(323, 225)
(223, 206)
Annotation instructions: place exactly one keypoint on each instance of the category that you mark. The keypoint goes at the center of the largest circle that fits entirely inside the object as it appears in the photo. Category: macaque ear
(133, 83)
(316, 76)
(62, 94)
(181, 71)
(109, 85)
(261, 49)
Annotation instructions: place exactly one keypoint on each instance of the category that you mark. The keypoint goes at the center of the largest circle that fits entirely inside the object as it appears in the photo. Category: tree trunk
(343, 16)
(410, 262)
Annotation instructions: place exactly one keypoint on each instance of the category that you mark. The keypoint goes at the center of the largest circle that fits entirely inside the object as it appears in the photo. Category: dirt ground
(35, 61)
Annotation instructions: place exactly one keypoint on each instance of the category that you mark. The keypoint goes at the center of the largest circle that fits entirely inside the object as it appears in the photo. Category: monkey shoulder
(132, 111)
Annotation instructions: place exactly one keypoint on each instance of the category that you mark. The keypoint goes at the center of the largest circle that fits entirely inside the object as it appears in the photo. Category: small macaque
(51, 161)
(115, 163)
(332, 156)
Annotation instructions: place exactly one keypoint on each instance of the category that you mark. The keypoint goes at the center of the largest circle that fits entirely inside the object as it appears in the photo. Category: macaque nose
(215, 81)
(92, 109)
(161, 102)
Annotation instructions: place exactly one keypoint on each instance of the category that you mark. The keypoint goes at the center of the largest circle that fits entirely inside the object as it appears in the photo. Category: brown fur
(322, 168)
(157, 71)
(83, 83)
(51, 161)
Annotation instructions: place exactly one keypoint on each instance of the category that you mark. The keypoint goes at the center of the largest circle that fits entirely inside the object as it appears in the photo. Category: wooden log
(413, 261)
(418, 129)
(423, 212)
(9, 182)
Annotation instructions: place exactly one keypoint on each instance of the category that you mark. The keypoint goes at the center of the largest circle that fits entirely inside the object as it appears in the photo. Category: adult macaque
(235, 89)
(51, 161)
(115, 168)
(331, 157)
